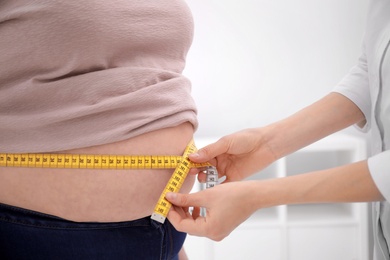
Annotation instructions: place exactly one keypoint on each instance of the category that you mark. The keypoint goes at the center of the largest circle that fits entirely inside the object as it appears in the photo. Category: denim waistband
(27, 234)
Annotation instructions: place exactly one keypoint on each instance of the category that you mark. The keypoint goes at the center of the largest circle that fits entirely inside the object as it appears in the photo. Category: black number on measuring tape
(186, 163)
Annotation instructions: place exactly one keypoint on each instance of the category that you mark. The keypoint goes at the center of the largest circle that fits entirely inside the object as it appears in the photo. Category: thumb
(182, 200)
(210, 151)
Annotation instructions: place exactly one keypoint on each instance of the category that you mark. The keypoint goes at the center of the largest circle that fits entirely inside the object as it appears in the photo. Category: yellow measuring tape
(181, 164)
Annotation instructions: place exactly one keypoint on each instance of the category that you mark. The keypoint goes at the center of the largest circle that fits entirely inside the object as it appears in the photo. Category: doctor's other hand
(227, 206)
(238, 155)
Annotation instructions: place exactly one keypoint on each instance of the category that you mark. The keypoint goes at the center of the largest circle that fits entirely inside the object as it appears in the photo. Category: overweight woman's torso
(98, 195)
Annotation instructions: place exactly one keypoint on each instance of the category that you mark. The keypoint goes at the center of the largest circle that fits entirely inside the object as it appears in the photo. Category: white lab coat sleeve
(379, 166)
(355, 86)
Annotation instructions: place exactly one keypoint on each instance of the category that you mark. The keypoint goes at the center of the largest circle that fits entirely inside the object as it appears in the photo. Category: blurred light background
(256, 61)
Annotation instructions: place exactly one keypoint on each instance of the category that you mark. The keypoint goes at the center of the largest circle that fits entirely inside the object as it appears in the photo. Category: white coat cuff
(379, 166)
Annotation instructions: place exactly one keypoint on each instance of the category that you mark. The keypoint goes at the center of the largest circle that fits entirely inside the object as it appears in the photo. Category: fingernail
(195, 155)
(170, 195)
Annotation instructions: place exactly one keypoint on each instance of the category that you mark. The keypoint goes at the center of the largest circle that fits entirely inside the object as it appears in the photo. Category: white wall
(255, 61)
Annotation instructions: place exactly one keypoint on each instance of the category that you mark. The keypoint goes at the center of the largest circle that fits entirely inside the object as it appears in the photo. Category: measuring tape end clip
(158, 218)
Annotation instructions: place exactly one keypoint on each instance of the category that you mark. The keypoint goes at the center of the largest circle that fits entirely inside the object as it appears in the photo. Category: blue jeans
(26, 234)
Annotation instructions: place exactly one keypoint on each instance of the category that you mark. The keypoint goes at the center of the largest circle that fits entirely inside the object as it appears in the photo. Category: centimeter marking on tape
(85, 161)
(181, 164)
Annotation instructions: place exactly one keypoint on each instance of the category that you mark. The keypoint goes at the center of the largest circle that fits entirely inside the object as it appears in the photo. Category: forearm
(328, 115)
(239, 200)
(350, 183)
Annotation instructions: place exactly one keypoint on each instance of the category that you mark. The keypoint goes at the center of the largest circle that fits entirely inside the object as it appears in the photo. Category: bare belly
(98, 195)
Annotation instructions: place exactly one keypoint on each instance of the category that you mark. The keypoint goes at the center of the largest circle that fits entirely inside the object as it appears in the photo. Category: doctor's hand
(227, 206)
(236, 156)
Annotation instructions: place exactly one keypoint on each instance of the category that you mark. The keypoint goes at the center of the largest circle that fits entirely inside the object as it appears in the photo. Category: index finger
(183, 223)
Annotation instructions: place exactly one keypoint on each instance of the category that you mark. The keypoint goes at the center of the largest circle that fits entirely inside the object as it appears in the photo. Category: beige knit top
(81, 73)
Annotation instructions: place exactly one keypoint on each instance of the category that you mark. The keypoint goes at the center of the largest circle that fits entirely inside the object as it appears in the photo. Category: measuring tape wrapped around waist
(181, 164)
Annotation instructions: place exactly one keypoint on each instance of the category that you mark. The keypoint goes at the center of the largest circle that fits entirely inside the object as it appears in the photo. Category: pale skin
(244, 153)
